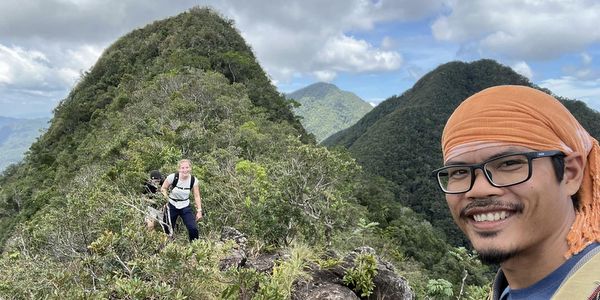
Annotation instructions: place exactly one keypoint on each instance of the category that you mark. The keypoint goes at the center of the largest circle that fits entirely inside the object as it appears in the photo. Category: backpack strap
(176, 179)
(585, 281)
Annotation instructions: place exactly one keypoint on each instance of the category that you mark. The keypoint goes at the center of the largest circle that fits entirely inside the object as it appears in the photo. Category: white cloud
(84, 55)
(521, 29)
(25, 69)
(574, 88)
(523, 69)
(311, 36)
(343, 53)
(326, 76)
(80, 21)
(22, 68)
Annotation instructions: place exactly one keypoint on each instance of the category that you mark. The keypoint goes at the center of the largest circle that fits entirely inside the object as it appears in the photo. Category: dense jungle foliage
(71, 214)
(400, 138)
(325, 109)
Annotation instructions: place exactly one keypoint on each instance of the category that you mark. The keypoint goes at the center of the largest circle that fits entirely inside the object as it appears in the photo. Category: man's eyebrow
(506, 152)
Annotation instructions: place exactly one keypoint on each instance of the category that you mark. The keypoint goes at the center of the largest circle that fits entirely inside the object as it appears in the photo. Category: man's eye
(511, 164)
(458, 173)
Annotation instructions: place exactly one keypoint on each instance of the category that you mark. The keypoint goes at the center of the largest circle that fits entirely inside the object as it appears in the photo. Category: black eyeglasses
(501, 171)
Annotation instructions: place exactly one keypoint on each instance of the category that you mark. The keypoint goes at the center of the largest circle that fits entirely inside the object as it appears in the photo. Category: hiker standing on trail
(522, 181)
(181, 184)
(151, 189)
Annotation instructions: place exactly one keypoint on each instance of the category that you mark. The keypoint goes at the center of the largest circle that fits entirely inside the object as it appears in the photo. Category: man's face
(511, 221)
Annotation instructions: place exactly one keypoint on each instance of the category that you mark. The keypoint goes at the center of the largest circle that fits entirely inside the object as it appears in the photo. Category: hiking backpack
(176, 179)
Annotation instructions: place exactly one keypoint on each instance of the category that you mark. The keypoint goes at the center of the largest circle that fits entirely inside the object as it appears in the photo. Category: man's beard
(495, 256)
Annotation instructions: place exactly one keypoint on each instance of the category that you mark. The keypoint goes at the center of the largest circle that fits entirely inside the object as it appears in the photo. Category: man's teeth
(491, 216)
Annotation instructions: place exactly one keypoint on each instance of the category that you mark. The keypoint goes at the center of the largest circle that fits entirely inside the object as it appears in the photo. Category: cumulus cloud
(33, 82)
(23, 68)
(77, 21)
(523, 69)
(574, 88)
(521, 29)
(26, 69)
(58, 39)
(311, 36)
(324, 75)
(344, 53)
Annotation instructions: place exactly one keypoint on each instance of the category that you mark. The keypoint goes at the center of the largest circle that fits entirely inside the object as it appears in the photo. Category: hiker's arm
(164, 189)
(198, 201)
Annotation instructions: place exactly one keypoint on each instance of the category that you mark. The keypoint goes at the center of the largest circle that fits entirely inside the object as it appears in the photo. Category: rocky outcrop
(329, 291)
(323, 283)
(237, 256)
(388, 284)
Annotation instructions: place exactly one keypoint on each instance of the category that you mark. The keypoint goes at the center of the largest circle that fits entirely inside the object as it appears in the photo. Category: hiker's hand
(198, 215)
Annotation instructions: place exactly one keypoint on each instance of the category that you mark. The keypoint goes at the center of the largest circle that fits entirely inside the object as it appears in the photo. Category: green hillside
(325, 109)
(16, 135)
(400, 138)
(71, 213)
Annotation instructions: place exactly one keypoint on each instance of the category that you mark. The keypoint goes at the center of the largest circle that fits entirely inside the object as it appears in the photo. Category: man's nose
(482, 186)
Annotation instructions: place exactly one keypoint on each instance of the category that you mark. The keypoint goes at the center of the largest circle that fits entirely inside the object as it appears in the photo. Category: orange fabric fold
(523, 116)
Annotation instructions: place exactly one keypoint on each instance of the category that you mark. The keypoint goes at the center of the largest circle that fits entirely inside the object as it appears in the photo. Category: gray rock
(232, 234)
(388, 284)
(237, 256)
(331, 291)
(263, 263)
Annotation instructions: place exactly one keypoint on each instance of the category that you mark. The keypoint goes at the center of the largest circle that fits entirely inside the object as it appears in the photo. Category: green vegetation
(361, 276)
(71, 214)
(439, 289)
(325, 109)
(16, 135)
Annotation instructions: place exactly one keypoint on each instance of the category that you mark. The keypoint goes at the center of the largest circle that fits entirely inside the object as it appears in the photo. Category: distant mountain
(16, 135)
(325, 109)
(400, 138)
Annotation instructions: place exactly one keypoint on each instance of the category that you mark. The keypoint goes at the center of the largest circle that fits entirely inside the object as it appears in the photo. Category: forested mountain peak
(325, 109)
(189, 87)
(316, 90)
(400, 138)
(199, 38)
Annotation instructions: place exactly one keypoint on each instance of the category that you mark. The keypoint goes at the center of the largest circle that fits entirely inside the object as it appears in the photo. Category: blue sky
(374, 48)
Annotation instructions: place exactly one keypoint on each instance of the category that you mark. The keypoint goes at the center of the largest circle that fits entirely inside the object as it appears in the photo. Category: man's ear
(573, 172)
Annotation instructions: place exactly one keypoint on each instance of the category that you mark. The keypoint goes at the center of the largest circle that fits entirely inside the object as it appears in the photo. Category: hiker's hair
(185, 160)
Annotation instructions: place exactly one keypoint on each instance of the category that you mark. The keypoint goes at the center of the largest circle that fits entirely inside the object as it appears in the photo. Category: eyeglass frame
(472, 167)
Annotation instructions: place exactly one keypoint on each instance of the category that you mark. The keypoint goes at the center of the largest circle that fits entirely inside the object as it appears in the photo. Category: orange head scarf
(523, 116)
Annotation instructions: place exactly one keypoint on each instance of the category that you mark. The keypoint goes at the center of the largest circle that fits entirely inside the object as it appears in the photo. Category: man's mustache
(491, 202)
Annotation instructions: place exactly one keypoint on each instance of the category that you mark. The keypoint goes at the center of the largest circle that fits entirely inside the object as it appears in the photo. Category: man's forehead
(484, 152)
